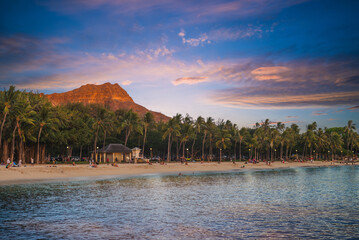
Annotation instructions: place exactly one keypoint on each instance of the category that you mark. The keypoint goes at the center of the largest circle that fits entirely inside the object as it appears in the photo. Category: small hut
(116, 151)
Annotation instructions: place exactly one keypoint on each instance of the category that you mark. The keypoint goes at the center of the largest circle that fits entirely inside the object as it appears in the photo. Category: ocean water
(295, 203)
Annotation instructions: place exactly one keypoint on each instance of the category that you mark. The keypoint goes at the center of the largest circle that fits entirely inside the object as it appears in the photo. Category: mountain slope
(107, 94)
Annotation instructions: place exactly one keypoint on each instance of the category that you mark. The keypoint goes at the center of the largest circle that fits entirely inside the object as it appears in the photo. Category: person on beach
(108, 161)
(8, 163)
(20, 163)
(32, 162)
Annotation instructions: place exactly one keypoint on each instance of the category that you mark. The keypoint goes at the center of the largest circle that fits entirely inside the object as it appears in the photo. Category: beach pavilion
(115, 151)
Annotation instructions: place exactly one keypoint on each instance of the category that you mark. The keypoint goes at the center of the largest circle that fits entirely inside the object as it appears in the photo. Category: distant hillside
(111, 95)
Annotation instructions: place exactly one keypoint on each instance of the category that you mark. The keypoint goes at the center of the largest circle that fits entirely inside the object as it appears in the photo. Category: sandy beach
(63, 172)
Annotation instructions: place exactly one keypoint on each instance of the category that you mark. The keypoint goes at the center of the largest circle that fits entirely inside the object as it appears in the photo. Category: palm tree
(146, 121)
(45, 118)
(22, 114)
(236, 135)
(171, 128)
(7, 99)
(349, 131)
(224, 140)
(197, 129)
(243, 133)
(100, 116)
(336, 143)
(280, 128)
(130, 122)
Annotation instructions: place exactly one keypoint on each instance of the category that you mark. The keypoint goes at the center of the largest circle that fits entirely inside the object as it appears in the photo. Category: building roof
(136, 148)
(115, 148)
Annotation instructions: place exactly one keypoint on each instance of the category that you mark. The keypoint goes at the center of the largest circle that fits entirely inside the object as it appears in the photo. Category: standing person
(108, 161)
(8, 163)
(20, 163)
(32, 162)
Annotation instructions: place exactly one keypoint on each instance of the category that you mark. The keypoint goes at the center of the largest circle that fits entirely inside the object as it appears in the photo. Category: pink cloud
(317, 113)
(189, 80)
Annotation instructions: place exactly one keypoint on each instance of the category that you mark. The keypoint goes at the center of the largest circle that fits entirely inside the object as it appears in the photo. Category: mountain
(107, 94)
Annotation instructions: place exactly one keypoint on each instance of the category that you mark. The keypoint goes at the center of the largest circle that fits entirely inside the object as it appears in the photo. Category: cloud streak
(189, 80)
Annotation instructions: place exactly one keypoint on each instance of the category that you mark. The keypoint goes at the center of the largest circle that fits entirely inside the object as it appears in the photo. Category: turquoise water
(296, 203)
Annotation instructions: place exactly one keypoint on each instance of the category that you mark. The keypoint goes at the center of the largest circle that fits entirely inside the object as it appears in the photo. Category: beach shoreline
(66, 172)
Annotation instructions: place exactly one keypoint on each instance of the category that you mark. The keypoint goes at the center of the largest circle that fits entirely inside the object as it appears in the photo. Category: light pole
(296, 153)
(220, 155)
(187, 152)
(151, 152)
(249, 155)
(315, 156)
(328, 154)
(341, 153)
(275, 154)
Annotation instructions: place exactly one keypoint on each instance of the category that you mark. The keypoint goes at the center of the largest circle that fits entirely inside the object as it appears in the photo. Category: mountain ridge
(107, 94)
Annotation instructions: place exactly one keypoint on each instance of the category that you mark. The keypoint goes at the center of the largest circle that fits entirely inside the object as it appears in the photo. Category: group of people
(19, 164)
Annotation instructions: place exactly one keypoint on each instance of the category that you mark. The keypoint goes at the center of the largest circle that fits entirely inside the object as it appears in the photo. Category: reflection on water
(320, 203)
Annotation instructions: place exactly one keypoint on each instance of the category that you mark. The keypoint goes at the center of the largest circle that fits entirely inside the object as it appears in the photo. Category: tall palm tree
(224, 140)
(7, 99)
(130, 122)
(211, 126)
(171, 128)
(243, 133)
(336, 143)
(280, 128)
(147, 120)
(22, 114)
(236, 135)
(100, 115)
(349, 131)
(197, 129)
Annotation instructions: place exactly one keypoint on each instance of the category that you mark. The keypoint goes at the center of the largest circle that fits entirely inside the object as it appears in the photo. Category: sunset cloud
(242, 99)
(194, 42)
(126, 82)
(317, 113)
(189, 80)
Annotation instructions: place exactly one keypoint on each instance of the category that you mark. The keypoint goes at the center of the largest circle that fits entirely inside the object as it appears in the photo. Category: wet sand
(63, 172)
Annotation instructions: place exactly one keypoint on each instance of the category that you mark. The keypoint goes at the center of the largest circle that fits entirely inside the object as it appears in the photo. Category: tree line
(31, 127)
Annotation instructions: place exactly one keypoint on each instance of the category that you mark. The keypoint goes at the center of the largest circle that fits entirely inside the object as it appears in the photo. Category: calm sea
(296, 203)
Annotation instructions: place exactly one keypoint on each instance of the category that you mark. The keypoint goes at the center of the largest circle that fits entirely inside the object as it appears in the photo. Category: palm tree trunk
(2, 127)
(210, 147)
(13, 144)
(127, 136)
(177, 150)
(235, 151)
(194, 140)
(240, 150)
(81, 153)
(144, 142)
(103, 147)
(183, 147)
(38, 146)
(286, 152)
(169, 148)
(204, 140)
(5, 151)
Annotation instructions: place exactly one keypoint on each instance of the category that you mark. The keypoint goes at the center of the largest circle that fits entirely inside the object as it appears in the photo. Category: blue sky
(294, 61)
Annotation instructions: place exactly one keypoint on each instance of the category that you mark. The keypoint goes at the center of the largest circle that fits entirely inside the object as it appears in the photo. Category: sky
(292, 61)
